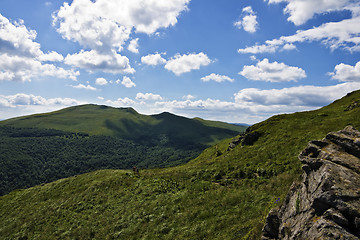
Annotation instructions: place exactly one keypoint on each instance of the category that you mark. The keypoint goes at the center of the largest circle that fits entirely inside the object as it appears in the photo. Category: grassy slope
(219, 195)
(127, 123)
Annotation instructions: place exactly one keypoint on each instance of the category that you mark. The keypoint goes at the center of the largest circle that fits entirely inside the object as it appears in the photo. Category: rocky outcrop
(326, 204)
(247, 138)
(353, 105)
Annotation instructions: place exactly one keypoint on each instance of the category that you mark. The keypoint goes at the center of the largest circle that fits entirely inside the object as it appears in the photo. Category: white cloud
(217, 78)
(259, 49)
(21, 57)
(180, 64)
(51, 57)
(21, 104)
(134, 45)
(95, 61)
(18, 68)
(301, 11)
(22, 99)
(289, 46)
(148, 97)
(208, 104)
(104, 26)
(6, 76)
(82, 86)
(101, 81)
(272, 72)
(294, 98)
(248, 22)
(346, 73)
(16, 39)
(153, 59)
(344, 34)
(127, 82)
(121, 102)
(188, 97)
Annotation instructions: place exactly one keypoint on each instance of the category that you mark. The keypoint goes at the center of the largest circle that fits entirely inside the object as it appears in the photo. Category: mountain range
(223, 193)
(45, 147)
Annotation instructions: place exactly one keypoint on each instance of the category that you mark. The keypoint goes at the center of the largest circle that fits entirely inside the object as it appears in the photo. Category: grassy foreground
(219, 195)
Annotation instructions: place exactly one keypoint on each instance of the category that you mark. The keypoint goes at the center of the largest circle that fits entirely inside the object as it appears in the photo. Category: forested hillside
(46, 147)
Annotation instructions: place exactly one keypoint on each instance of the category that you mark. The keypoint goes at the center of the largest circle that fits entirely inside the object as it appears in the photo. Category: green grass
(219, 195)
(115, 204)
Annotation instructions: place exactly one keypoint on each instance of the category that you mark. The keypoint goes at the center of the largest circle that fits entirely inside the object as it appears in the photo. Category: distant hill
(45, 147)
(128, 124)
(225, 193)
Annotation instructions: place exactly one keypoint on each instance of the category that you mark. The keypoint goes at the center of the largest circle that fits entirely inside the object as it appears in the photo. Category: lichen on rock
(326, 204)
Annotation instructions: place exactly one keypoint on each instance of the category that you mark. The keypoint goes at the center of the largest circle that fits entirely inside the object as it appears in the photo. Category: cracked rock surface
(326, 203)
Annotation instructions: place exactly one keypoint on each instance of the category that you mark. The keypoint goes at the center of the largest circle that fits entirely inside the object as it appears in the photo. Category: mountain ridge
(42, 148)
(126, 123)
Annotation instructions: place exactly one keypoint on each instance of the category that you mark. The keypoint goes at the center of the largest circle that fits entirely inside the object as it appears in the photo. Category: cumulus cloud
(104, 26)
(296, 98)
(127, 82)
(101, 81)
(134, 45)
(22, 99)
(346, 73)
(85, 87)
(21, 58)
(21, 104)
(180, 64)
(248, 22)
(51, 57)
(217, 78)
(95, 61)
(153, 59)
(17, 39)
(188, 97)
(18, 68)
(148, 97)
(208, 104)
(301, 11)
(121, 102)
(272, 72)
(344, 34)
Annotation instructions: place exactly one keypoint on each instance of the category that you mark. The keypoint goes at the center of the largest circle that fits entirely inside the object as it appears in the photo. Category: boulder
(326, 203)
(247, 138)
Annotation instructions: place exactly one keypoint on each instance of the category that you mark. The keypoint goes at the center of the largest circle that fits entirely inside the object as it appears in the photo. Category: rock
(250, 138)
(326, 204)
(247, 138)
(353, 105)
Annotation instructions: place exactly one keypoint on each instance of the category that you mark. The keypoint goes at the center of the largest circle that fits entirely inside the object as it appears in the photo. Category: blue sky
(235, 61)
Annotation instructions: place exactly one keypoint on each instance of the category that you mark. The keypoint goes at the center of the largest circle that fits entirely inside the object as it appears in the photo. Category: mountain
(45, 147)
(128, 124)
(224, 193)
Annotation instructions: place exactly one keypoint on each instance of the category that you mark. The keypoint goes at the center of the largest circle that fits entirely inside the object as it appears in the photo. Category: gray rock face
(326, 204)
(247, 138)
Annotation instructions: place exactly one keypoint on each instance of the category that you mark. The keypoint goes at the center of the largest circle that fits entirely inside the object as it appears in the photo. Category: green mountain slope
(126, 123)
(45, 147)
(222, 194)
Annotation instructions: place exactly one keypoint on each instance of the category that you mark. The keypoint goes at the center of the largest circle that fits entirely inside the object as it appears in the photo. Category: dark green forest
(32, 156)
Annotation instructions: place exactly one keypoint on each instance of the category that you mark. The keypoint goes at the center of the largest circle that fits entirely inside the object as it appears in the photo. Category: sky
(238, 61)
